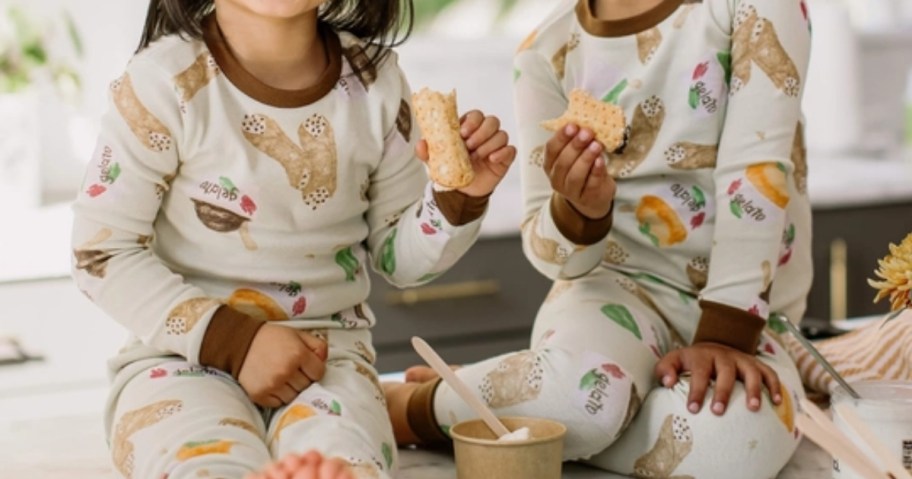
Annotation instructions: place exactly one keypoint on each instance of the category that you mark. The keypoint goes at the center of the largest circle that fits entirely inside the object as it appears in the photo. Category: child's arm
(417, 231)
(753, 175)
(567, 192)
(132, 168)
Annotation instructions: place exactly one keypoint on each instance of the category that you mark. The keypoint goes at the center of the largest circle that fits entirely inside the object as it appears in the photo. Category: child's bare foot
(311, 465)
(420, 374)
(397, 399)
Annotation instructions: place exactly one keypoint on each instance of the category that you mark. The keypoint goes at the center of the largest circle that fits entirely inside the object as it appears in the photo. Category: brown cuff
(459, 208)
(228, 339)
(724, 324)
(420, 413)
(576, 227)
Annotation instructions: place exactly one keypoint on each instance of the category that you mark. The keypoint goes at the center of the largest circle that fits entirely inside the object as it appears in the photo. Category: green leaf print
(781, 167)
(388, 254)
(699, 197)
(645, 229)
(693, 98)
(427, 277)
(725, 59)
(387, 455)
(516, 74)
(347, 260)
(227, 184)
(445, 429)
(775, 324)
(336, 408)
(621, 315)
(113, 173)
(294, 288)
(615, 93)
(587, 382)
(790, 234)
(685, 298)
(735, 209)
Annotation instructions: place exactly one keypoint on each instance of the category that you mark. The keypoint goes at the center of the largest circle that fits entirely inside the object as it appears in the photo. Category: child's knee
(740, 443)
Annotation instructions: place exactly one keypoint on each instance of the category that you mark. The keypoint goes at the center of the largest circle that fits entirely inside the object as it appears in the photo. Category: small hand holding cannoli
(471, 154)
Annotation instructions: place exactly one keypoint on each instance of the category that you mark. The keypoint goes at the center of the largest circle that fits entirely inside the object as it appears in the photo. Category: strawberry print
(95, 190)
(299, 306)
(733, 187)
(428, 229)
(248, 205)
(700, 70)
(613, 370)
(697, 220)
(157, 373)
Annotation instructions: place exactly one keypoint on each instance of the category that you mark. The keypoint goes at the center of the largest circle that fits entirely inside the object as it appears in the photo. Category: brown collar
(259, 91)
(625, 26)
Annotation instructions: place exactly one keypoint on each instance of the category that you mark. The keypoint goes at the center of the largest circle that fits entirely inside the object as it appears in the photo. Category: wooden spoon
(438, 365)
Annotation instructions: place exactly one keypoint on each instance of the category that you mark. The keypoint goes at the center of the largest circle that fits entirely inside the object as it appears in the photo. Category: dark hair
(385, 23)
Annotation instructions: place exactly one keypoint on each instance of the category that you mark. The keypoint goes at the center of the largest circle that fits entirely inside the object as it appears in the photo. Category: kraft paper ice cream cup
(886, 408)
(480, 455)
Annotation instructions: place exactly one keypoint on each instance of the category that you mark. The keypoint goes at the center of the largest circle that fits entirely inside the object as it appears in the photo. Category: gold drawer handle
(442, 292)
(838, 279)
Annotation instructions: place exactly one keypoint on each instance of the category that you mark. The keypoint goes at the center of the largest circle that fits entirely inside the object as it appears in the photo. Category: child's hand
(708, 361)
(280, 364)
(489, 151)
(574, 163)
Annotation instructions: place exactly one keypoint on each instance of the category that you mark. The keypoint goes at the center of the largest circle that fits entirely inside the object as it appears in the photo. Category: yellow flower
(896, 274)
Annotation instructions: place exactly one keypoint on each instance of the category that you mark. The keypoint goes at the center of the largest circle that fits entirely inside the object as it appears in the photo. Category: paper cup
(480, 455)
(886, 408)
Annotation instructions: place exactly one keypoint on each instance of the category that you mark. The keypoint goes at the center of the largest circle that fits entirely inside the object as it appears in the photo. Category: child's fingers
(285, 393)
(557, 143)
(578, 175)
(488, 128)
(771, 378)
(568, 157)
(492, 144)
(470, 122)
(667, 369)
(421, 150)
(504, 156)
(726, 375)
(753, 382)
(700, 374)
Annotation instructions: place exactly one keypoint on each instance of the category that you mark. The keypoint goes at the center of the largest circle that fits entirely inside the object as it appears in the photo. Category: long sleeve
(557, 240)
(754, 174)
(416, 232)
(137, 156)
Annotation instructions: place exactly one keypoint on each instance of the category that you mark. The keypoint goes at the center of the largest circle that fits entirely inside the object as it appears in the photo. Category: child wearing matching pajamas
(228, 225)
(667, 256)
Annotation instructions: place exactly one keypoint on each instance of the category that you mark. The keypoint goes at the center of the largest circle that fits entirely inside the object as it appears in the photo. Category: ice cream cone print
(185, 315)
(660, 222)
(517, 379)
(190, 81)
(648, 43)
(256, 304)
(133, 421)
(685, 155)
(644, 129)
(310, 167)
(614, 253)
(149, 130)
(698, 272)
(754, 40)
(799, 159)
(546, 249)
(674, 443)
(94, 261)
(360, 64)
(240, 424)
(559, 60)
(224, 220)
(770, 180)
(404, 120)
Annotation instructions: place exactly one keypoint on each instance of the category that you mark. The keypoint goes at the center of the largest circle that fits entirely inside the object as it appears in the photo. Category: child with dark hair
(258, 155)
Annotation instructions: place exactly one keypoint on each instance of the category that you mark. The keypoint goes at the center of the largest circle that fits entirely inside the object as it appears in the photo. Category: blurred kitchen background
(57, 58)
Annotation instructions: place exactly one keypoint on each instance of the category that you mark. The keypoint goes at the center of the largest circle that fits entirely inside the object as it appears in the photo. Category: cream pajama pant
(178, 420)
(595, 344)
